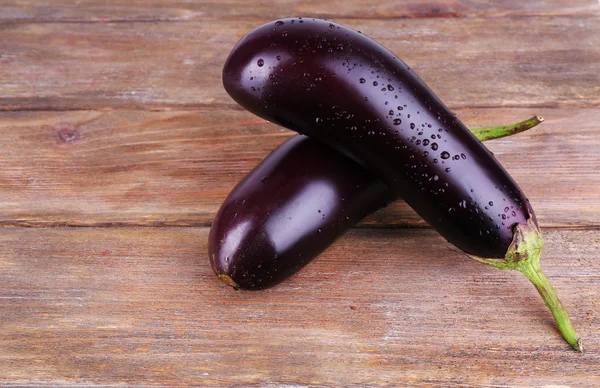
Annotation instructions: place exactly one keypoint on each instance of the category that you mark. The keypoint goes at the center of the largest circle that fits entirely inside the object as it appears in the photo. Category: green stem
(533, 271)
(490, 133)
(524, 255)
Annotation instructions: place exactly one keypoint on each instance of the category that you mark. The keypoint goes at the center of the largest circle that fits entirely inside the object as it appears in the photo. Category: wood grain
(89, 168)
(518, 62)
(395, 307)
(161, 10)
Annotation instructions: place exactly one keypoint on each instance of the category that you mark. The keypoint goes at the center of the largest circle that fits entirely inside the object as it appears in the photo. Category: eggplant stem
(524, 255)
(533, 272)
(491, 133)
(227, 280)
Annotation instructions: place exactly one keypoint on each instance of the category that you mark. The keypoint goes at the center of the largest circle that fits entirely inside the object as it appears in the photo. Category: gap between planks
(185, 224)
(260, 20)
(236, 107)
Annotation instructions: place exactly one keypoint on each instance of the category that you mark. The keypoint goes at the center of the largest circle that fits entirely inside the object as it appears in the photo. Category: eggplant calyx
(525, 248)
(227, 280)
(524, 255)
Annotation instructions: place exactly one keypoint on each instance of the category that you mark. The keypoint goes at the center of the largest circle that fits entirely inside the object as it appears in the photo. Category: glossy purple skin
(330, 82)
(289, 209)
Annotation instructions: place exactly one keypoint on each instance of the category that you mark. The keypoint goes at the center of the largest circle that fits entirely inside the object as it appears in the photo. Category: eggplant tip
(227, 280)
(579, 347)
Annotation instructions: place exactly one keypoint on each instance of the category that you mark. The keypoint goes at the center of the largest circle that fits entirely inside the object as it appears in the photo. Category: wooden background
(118, 144)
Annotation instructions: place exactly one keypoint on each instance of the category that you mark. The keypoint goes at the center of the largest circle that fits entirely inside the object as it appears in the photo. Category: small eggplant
(287, 210)
(329, 82)
(293, 205)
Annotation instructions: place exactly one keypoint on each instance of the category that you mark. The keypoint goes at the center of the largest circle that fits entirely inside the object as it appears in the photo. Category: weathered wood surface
(175, 168)
(112, 114)
(160, 10)
(380, 307)
(518, 62)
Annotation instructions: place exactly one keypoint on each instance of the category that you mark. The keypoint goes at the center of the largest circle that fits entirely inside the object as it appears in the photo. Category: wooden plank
(388, 307)
(138, 10)
(518, 62)
(95, 168)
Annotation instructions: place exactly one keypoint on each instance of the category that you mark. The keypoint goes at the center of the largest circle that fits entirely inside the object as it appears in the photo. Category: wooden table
(118, 144)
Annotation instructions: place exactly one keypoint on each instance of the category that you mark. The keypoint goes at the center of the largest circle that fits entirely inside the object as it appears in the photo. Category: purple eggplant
(293, 205)
(287, 210)
(329, 82)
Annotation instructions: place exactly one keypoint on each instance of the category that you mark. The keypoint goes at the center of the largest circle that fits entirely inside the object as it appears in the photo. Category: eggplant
(294, 205)
(327, 81)
(287, 210)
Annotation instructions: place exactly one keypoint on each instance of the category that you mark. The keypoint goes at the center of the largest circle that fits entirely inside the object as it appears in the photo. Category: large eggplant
(332, 83)
(293, 205)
